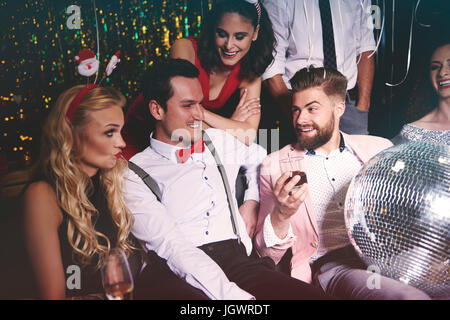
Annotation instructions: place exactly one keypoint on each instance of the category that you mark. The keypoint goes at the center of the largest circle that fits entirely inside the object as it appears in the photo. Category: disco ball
(397, 214)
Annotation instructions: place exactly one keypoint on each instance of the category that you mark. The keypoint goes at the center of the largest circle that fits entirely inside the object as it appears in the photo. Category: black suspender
(151, 184)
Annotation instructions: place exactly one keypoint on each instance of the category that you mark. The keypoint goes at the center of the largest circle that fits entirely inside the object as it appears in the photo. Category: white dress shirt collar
(165, 150)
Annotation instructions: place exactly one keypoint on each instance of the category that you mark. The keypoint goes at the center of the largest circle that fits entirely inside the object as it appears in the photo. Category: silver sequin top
(411, 132)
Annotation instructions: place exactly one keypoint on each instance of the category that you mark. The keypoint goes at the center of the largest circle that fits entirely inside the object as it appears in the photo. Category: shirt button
(207, 232)
(206, 178)
(207, 214)
(314, 244)
(333, 179)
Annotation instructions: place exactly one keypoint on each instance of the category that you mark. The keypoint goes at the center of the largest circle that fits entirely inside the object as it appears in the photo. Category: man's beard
(322, 136)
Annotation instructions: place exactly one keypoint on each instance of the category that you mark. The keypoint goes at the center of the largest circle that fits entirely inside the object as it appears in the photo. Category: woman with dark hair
(232, 52)
(434, 127)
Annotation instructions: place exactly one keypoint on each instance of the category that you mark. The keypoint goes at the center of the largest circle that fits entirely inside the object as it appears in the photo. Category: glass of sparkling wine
(116, 275)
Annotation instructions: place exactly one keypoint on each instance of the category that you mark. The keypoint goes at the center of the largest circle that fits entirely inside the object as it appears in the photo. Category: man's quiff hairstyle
(157, 79)
(332, 81)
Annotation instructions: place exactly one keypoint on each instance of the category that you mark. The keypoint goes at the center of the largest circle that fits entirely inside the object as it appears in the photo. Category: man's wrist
(274, 237)
(280, 216)
(280, 223)
(362, 105)
(276, 86)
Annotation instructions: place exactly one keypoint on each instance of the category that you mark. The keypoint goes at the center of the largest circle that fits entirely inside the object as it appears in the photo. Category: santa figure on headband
(87, 62)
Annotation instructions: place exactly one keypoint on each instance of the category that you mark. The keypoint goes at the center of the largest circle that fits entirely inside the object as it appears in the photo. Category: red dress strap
(203, 76)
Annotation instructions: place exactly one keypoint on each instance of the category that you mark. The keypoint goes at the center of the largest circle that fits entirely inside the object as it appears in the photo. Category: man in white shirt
(298, 26)
(310, 220)
(194, 229)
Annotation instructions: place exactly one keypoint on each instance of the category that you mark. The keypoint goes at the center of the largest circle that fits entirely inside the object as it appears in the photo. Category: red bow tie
(184, 154)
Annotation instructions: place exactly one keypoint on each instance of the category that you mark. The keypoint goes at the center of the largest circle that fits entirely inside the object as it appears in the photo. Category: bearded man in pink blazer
(309, 220)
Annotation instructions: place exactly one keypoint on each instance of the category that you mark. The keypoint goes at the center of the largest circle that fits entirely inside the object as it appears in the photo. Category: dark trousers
(158, 282)
(257, 276)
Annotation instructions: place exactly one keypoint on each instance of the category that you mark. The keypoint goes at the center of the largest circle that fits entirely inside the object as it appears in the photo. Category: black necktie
(329, 52)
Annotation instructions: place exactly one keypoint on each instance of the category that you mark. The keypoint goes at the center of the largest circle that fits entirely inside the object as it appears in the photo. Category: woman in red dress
(232, 52)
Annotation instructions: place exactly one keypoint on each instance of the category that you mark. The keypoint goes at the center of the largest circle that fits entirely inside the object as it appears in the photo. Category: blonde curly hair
(60, 166)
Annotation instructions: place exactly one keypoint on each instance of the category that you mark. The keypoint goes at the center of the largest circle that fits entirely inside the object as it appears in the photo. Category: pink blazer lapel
(359, 146)
(307, 205)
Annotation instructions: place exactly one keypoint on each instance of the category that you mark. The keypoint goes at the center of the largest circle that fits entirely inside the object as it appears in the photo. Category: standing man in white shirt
(336, 34)
(195, 227)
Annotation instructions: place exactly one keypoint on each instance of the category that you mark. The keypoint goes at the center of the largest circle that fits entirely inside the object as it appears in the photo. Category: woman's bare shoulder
(40, 189)
(431, 121)
(40, 199)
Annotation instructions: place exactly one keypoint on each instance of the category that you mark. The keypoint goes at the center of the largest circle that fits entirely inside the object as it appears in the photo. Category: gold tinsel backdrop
(39, 42)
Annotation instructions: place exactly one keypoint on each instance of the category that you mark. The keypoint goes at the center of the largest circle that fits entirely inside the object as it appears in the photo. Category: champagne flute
(116, 275)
